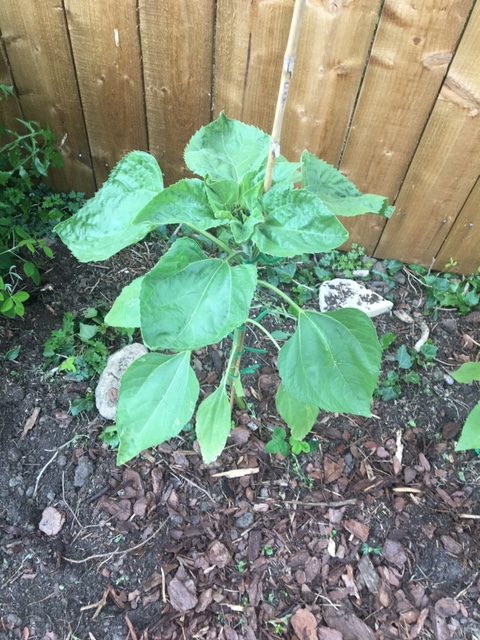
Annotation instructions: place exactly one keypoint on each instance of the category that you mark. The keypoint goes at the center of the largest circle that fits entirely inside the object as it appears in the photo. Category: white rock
(341, 293)
(52, 521)
(106, 393)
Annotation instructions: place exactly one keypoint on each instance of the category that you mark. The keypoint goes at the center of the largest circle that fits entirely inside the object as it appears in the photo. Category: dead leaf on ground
(447, 607)
(394, 552)
(52, 521)
(30, 423)
(218, 554)
(304, 624)
(182, 592)
(333, 469)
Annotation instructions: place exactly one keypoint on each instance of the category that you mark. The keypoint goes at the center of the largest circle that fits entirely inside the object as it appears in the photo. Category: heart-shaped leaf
(332, 361)
(157, 398)
(194, 305)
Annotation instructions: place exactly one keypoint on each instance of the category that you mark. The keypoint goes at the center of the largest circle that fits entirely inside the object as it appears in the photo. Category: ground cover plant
(28, 209)
(190, 300)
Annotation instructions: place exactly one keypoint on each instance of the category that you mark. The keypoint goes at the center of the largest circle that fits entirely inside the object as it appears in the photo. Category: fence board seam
(79, 93)
(359, 89)
(420, 138)
(144, 91)
(212, 61)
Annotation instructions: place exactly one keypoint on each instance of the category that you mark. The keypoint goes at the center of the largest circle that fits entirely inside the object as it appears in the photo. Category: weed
(28, 209)
(79, 349)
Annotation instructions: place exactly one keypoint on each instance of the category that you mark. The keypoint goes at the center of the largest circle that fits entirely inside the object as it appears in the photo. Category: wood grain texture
(251, 37)
(463, 242)
(106, 50)
(177, 46)
(413, 47)
(37, 45)
(333, 48)
(446, 163)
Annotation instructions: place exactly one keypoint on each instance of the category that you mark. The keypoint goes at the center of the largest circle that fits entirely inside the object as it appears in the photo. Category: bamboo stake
(287, 73)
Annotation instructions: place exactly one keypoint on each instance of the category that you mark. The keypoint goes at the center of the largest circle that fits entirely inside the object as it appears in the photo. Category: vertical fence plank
(250, 42)
(36, 41)
(334, 45)
(177, 48)
(446, 164)
(106, 52)
(413, 46)
(463, 242)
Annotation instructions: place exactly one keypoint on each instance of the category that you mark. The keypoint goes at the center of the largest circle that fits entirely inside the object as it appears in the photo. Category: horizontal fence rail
(389, 91)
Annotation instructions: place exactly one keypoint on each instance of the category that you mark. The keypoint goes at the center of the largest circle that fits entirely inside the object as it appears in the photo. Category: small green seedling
(193, 298)
(470, 437)
(366, 550)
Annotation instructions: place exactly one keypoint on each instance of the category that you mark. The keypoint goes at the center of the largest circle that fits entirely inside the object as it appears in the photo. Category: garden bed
(371, 533)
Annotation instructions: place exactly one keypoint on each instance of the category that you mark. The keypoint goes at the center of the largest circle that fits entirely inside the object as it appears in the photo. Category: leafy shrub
(190, 300)
(28, 209)
(448, 290)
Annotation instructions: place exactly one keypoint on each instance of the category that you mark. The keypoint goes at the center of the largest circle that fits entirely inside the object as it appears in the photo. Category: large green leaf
(157, 398)
(125, 311)
(339, 194)
(196, 305)
(467, 373)
(105, 224)
(332, 361)
(227, 149)
(470, 436)
(183, 202)
(213, 424)
(299, 416)
(297, 222)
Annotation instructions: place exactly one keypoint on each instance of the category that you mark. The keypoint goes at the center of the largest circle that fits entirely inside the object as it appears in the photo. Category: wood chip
(30, 423)
(358, 529)
(304, 624)
(236, 473)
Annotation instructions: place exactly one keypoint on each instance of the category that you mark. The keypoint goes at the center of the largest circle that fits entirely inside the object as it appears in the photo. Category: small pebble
(245, 521)
(448, 379)
(83, 471)
(61, 460)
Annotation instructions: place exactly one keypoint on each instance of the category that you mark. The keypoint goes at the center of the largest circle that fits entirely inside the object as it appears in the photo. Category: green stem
(211, 237)
(234, 369)
(265, 331)
(280, 294)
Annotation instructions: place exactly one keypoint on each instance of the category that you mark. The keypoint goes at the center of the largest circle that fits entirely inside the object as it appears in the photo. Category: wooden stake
(287, 73)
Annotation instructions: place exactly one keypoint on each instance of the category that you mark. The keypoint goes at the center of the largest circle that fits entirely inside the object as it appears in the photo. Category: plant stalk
(267, 285)
(287, 73)
(210, 237)
(234, 372)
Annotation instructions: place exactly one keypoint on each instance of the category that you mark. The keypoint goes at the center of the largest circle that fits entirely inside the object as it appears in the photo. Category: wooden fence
(388, 90)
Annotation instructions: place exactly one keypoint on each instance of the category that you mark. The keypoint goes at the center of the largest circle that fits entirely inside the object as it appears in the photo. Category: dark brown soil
(246, 557)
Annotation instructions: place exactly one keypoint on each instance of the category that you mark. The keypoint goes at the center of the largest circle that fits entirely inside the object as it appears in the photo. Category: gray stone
(106, 393)
(341, 293)
(83, 471)
(245, 521)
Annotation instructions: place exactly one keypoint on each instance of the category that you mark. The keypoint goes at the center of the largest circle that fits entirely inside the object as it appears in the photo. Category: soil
(373, 535)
